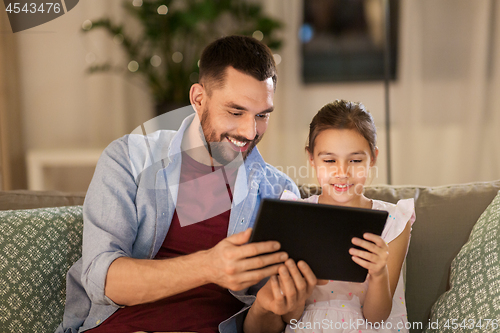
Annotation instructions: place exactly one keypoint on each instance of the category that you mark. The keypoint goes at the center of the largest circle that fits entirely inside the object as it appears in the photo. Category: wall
(444, 105)
(64, 109)
(63, 106)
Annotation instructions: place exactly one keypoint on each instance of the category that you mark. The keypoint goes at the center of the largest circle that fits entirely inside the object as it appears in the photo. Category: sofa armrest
(24, 199)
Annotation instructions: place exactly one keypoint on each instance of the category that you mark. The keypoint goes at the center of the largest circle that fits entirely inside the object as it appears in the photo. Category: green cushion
(474, 293)
(37, 247)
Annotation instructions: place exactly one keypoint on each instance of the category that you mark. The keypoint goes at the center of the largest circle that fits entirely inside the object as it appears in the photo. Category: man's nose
(248, 128)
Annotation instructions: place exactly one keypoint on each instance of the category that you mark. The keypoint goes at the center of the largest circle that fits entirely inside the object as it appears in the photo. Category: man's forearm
(136, 281)
(231, 264)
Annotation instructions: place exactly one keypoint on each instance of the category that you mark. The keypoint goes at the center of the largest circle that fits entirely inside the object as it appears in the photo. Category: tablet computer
(318, 234)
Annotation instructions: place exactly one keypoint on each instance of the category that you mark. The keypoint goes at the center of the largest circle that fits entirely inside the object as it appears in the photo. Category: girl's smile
(342, 187)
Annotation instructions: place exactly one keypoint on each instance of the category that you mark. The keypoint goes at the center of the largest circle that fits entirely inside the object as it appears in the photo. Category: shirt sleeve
(399, 216)
(110, 219)
(289, 195)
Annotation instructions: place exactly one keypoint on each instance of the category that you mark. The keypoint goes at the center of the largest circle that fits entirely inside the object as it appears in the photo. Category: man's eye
(235, 113)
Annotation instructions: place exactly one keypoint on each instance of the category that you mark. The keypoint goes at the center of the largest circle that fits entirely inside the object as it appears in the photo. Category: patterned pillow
(37, 247)
(473, 302)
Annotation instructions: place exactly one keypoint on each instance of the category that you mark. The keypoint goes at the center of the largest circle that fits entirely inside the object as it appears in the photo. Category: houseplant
(174, 33)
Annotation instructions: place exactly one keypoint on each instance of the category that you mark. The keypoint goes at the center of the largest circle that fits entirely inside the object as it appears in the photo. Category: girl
(342, 150)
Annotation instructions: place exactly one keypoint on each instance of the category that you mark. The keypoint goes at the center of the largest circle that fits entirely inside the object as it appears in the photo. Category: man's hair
(245, 54)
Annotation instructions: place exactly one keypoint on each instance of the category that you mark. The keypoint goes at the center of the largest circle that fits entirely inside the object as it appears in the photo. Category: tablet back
(318, 234)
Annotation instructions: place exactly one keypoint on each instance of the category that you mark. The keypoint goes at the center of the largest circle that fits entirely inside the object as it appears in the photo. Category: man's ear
(197, 96)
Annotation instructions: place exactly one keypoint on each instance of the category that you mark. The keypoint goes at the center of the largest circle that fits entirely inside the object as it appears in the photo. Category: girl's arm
(384, 262)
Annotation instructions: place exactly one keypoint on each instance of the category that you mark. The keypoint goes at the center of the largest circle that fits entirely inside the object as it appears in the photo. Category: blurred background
(71, 86)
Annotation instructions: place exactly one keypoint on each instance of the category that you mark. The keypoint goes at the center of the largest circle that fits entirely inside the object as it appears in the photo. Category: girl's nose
(342, 171)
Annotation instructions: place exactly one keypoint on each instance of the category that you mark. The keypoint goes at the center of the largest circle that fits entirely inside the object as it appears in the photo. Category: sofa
(40, 237)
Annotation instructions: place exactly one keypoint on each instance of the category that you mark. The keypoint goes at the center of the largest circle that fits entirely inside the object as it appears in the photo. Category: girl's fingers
(379, 241)
(369, 246)
(277, 293)
(379, 247)
(373, 238)
(372, 268)
(307, 273)
(298, 279)
(310, 279)
(368, 256)
(375, 258)
(287, 284)
(361, 262)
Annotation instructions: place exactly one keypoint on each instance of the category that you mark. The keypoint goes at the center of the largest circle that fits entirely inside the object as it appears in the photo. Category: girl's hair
(343, 114)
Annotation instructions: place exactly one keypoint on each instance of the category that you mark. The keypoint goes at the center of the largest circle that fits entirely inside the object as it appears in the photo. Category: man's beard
(221, 151)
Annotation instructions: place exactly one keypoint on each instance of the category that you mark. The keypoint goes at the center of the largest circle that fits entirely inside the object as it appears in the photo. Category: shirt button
(242, 220)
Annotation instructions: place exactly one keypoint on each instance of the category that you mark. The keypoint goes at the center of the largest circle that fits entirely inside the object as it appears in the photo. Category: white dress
(337, 306)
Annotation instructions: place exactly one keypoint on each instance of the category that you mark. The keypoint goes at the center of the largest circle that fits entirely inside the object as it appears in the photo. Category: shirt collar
(175, 145)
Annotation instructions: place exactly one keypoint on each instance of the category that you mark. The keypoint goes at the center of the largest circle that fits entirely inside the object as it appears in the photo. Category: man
(166, 216)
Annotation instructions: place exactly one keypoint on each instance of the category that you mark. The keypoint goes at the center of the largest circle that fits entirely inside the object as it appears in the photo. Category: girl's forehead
(340, 141)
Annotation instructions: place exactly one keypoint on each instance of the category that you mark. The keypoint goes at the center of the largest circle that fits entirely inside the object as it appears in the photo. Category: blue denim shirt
(128, 210)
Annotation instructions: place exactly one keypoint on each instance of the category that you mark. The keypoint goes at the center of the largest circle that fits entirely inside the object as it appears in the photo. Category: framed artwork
(344, 40)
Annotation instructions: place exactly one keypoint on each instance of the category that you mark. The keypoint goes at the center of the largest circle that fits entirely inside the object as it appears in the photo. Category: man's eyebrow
(235, 106)
(271, 109)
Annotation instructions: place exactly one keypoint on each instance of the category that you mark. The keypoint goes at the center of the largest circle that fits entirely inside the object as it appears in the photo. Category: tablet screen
(318, 234)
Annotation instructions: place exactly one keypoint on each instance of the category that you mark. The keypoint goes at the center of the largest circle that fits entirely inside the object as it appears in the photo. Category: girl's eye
(357, 161)
(329, 161)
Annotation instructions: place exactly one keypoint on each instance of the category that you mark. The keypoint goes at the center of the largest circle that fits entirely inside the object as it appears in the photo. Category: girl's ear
(197, 96)
(310, 157)
(374, 158)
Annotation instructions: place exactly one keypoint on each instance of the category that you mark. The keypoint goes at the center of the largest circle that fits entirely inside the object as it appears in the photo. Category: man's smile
(239, 145)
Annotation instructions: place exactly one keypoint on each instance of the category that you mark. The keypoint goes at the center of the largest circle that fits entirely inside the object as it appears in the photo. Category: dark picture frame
(344, 40)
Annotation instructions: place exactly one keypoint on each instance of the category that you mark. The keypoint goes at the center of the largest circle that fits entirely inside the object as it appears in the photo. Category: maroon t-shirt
(200, 221)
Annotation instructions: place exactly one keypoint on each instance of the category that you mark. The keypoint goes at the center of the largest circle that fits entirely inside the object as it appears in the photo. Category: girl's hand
(322, 282)
(375, 257)
(285, 294)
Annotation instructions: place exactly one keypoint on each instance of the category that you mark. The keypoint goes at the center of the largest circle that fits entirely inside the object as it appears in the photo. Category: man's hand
(235, 265)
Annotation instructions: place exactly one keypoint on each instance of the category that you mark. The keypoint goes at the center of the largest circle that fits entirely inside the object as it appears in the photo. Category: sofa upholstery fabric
(37, 248)
(473, 301)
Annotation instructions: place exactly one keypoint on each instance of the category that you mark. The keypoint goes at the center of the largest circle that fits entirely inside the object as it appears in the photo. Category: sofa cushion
(37, 248)
(474, 293)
